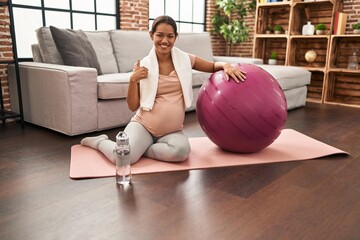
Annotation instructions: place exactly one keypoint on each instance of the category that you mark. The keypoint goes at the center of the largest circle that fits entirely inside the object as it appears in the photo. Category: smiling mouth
(164, 45)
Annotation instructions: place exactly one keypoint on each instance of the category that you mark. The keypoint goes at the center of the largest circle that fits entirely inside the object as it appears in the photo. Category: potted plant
(320, 29)
(356, 28)
(273, 58)
(278, 29)
(229, 21)
(268, 29)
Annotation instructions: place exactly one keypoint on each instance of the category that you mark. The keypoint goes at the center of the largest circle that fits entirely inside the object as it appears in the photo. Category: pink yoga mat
(289, 146)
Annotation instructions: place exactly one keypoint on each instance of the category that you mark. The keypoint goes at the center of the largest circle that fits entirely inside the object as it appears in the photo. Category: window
(188, 14)
(75, 14)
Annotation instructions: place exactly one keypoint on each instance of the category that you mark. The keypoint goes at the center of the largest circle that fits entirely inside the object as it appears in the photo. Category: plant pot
(320, 32)
(268, 32)
(272, 61)
(356, 31)
(277, 32)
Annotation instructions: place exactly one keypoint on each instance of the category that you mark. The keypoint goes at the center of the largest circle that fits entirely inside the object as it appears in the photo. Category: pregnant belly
(163, 120)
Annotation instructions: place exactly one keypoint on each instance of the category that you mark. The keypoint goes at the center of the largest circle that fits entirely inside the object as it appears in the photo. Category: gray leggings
(173, 147)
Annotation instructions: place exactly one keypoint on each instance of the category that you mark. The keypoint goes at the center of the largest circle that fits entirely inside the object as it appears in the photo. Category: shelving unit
(271, 14)
(5, 114)
(331, 81)
(266, 44)
(343, 85)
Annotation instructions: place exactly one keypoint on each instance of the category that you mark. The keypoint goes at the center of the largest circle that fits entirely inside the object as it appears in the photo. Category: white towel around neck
(148, 87)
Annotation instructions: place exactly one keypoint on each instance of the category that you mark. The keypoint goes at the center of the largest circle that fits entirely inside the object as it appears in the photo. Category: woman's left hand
(235, 73)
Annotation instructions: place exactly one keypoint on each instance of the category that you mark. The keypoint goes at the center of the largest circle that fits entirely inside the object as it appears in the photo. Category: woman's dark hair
(164, 19)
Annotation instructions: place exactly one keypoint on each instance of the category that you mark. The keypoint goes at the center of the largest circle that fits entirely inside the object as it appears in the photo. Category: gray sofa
(76, 100)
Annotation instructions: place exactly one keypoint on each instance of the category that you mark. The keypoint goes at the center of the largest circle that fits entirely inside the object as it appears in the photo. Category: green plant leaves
(229, 21)
(234, 32)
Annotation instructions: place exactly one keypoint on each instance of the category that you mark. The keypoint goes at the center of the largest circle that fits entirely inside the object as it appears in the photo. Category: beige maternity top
(168, 112)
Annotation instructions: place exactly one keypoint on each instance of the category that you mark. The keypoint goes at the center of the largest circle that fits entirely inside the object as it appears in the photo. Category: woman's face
(163, 38)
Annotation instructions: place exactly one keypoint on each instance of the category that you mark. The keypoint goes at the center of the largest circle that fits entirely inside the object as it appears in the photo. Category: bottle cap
(122, 138)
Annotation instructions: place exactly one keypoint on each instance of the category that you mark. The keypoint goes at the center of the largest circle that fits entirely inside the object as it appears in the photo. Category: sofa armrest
(238, 60)
(62, 98)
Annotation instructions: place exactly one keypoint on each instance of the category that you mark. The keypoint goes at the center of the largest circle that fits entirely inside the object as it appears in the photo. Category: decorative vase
(308, 29)
(268, 32)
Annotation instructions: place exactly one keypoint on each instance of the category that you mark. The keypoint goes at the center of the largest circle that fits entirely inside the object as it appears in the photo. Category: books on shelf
(340, 23)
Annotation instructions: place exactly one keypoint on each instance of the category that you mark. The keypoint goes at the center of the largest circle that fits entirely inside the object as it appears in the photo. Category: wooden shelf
(331, 80)
(299, 47)
(343, 88)
(346, 36)
(344, 70)
(299, 2)
(309, 99)
(315, 69)
(315, 12)
(296, 36)
(276, 4)
(343, 85)
(316, 86)
(346, 104)
(341, 48)
(272, 14)
(272, 35)
(264, 46)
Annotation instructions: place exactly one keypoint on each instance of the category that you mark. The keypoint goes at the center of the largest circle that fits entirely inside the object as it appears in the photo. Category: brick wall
(134, 16)
(351, 7)
(5, 53)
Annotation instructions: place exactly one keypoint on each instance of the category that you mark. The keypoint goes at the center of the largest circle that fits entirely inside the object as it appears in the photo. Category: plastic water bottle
(122, 151)
(354, 61)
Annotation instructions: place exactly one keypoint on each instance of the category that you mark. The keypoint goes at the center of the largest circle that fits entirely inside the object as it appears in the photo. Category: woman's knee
(140, 139)
(180, 145)
(181, 153)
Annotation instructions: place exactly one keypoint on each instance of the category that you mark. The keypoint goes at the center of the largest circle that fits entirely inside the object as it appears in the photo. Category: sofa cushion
(288, 77)
(35, 50)
(47, 47)
(113, 86)
(100, 40)
(198, 44)
(75, 48)
(199, 78)
(129, 46)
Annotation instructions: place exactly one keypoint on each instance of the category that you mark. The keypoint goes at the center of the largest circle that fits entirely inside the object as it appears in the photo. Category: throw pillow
(75, 48)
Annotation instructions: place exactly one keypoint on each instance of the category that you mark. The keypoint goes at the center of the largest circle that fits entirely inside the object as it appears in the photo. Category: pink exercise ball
(243, 117)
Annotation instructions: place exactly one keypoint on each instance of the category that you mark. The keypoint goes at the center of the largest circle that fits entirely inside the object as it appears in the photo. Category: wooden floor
(315, 199)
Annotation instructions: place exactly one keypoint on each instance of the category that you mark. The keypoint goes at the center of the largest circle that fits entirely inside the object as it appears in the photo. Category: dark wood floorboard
(314, 199)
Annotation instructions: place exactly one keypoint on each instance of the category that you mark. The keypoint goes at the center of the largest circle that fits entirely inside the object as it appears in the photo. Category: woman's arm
(133, 94)
(207, 66)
